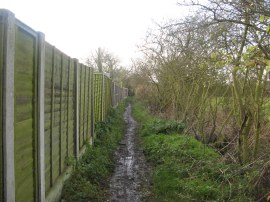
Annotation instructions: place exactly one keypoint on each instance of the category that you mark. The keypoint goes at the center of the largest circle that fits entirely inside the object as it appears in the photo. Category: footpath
(130, 180)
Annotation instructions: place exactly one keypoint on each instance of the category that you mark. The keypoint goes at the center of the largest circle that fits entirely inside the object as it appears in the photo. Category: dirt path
(130, 180)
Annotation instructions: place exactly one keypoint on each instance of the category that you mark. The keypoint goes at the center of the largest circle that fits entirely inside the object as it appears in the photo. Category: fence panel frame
(8, 23)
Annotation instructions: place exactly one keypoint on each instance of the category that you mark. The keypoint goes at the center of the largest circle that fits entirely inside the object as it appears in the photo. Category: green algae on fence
(85, 118)
(56, 145)
(107, 95)
(59, 114)
(81, 104)
(49, 99)
(98, 96)
(71, 110)
(25, 111)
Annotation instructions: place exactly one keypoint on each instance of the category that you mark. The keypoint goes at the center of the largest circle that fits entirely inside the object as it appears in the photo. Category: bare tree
(104, 61)
(217, 57)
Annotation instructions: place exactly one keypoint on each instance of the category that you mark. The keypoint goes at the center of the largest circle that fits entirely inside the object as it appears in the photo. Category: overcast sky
(80, 27)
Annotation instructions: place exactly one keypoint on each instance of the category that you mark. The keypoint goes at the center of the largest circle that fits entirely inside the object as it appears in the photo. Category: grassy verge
(186, 170)
(89, 181)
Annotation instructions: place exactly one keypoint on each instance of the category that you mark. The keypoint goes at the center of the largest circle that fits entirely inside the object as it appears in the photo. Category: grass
(184, 169)
(89, 181)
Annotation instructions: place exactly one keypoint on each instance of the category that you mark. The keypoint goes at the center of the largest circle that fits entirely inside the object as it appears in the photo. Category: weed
(159, 126)
(89, 179)
(70, 161)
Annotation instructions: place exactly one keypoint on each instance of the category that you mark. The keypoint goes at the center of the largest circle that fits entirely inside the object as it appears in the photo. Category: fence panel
(105, 105)
(71, 110)
(87, 101)
(98, 96)
(63, 108)
(48, 118)
(56, 145)
(108, 96)
(89, 104)
(81, 105)
(59, 114)
(25, 114)
(85, 111)
(66, 97)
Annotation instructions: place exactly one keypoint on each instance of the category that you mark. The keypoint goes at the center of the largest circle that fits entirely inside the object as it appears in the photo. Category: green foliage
(188, 170)
(89, 179)
(184, 169)
(268, 29)
(155, 125)
(159, 126)
(70, 161)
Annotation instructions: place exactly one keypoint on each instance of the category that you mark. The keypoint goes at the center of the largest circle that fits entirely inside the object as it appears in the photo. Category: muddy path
(130, 181)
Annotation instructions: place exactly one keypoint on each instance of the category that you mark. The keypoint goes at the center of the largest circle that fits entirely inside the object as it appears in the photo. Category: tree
(104, 61)
(210, 71)
(245, 39)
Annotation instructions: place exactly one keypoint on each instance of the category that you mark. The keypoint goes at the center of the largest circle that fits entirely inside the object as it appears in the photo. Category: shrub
(159, 126)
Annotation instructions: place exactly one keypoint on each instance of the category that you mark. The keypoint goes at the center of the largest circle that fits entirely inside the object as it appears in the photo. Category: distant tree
(104, 61)
(99, 59)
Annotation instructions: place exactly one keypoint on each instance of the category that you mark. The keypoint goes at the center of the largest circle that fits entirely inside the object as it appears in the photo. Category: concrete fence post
(41, 143)
(8, 23)
(77, 94)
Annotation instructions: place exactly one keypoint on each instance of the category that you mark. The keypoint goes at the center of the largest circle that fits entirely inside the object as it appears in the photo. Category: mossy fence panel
(90, 102)
(55, 104)
(59, 114)
(107, 95)
(71, 110)
(25, 114)
(98, 85)
(85, 109)
(117, 94)
(48, 114)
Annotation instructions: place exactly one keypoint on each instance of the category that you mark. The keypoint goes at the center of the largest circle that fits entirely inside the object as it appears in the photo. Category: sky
(79, 27)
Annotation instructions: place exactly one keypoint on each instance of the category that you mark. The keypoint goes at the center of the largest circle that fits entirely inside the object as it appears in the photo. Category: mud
(130, 181)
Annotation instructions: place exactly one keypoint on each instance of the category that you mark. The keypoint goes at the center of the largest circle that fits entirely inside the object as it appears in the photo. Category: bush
(159, 126)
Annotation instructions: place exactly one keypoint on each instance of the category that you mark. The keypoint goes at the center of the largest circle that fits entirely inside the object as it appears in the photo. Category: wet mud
(130, 181)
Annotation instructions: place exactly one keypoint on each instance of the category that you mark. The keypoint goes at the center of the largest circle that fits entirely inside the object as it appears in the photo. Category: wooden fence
(50, 103)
